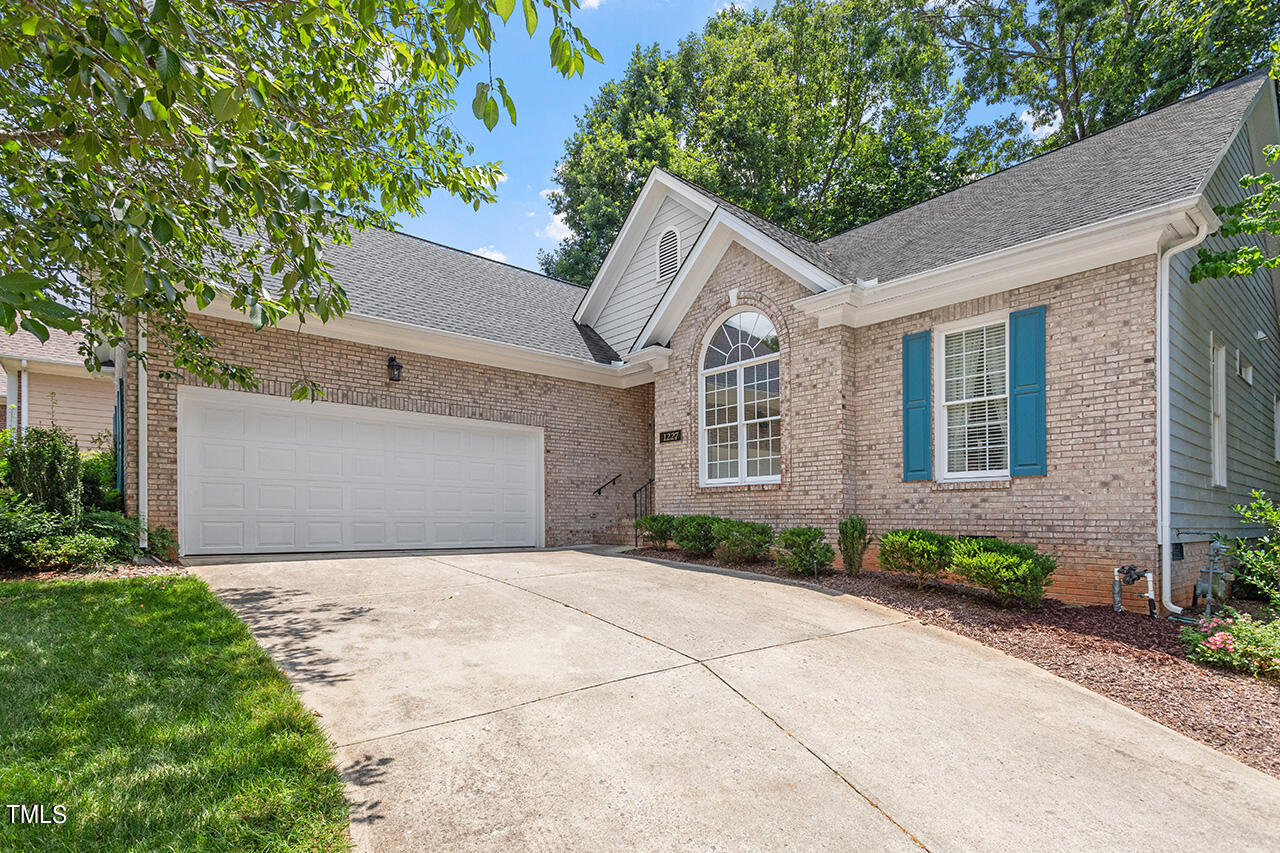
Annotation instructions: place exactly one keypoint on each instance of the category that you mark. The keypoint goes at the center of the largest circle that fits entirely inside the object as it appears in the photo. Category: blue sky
(519, 223)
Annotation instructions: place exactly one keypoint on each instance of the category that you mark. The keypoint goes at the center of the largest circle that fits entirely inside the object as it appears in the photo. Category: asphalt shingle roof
(1160, 157)
(62, 348)
(392, 276)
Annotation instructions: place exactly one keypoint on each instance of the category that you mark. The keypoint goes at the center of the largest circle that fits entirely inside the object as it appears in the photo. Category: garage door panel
(267, 474)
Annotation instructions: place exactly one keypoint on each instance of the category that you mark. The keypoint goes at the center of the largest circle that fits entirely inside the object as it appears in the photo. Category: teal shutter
(917, 446)
(1026, 393)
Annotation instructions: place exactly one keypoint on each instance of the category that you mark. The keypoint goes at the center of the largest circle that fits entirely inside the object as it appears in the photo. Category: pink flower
(1221, 641)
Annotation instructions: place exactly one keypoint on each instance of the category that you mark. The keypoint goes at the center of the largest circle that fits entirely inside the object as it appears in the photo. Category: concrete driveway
(576, 700)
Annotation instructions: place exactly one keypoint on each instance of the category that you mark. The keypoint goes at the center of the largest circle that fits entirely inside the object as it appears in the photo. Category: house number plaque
(670, 435)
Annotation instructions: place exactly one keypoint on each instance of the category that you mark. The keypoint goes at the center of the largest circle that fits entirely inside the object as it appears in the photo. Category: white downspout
(1164, 510)
(142, 433)
(23, 395)
(13, 402)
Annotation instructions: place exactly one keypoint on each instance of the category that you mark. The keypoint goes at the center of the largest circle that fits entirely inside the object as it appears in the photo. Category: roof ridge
(1261, 72)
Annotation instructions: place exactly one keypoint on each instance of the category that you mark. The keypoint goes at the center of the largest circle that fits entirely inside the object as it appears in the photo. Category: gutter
(1164, 536)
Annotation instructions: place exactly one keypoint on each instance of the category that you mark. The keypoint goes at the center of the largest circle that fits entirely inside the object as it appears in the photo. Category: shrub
(44, 465)
(853, 541)
(1235, 641)
(162, 543)
(23, 523)
(742, 541)
(98, 482)
(657, 530)
(696, 535)
(922, 553)
(1258, 564)
(69, 551)
(1012, 571)
(800, 548)
(117, 527)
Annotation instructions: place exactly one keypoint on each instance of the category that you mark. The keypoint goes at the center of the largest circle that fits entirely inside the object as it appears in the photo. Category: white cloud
(530, 214)
(502, 177)
(1039, 130)
(547, 192)
(556, 229)
(490, 252)
(591, 4)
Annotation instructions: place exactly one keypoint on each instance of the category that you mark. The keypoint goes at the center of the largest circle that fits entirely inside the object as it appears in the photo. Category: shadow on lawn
(287, 622)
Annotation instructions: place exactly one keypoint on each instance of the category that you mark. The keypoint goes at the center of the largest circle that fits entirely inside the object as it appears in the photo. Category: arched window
(668, 254)
(741, 432)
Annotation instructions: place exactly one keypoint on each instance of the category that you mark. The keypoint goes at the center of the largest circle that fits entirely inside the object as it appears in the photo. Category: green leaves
(170, 153)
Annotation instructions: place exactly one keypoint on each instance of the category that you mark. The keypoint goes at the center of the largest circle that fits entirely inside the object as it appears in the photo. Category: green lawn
(146, 709)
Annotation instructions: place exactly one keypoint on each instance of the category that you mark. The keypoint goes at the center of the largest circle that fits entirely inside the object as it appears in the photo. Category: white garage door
(262, 474)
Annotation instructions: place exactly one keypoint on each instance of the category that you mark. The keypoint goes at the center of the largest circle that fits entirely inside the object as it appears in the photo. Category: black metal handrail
(642, 498)
(616, 478)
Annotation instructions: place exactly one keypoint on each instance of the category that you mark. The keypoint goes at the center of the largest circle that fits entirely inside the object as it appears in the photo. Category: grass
(146, 709)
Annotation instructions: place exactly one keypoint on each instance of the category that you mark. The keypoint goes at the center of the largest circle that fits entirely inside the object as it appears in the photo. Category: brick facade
(591, 433)
(842, 423)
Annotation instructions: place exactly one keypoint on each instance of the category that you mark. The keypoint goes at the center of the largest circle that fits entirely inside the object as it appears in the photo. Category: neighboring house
(47, 383)
(1021, 357)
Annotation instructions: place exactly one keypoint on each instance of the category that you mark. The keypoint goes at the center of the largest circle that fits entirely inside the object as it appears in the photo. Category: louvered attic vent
(668, 254)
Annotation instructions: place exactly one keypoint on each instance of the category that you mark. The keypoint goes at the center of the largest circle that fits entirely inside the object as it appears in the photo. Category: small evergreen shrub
(1014, 572)
(22, 523)
(800, 548)
(1258, 564)
(657, 530)
(742, 541)
(853, 541)
(98, 482)
(117, 527)
(696, 534)
(1235, 641)
(44, 465)
(922, 553)
(69, 551)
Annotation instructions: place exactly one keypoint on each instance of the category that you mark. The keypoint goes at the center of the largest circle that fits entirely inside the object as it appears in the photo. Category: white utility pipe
(24, 394)
(1165, 513)
(142, 433)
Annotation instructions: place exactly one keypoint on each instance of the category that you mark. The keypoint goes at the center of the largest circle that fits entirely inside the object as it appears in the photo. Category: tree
(1258, 215)
(818, 115)
(1082, 66)
(158, 156)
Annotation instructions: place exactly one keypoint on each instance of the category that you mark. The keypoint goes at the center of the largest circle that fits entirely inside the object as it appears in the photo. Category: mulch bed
(1129, 658)
(123, 570)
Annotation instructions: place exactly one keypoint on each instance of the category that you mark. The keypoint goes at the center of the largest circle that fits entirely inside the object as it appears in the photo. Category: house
(47, 383)
(1024, 356)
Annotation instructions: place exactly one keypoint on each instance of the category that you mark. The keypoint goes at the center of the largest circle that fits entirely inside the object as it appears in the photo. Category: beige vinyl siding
(1231, 311)
(639, 289)
(83, 407)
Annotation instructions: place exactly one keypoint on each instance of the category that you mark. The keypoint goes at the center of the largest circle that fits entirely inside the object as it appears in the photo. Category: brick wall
(1095, 509)
(591, 433)
(842, 423)
(815, 422)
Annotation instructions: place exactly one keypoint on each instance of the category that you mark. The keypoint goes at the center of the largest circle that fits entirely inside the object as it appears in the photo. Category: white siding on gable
(639, 288)
(1228, 312)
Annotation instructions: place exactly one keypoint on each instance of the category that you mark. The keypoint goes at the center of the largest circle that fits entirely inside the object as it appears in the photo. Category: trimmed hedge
(696, 534)
(742, 541)
(1014, 572)
(801, 548)
(921, 553)
(657, 530)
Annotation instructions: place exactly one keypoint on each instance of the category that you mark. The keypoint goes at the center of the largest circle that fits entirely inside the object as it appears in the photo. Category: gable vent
(668, 254)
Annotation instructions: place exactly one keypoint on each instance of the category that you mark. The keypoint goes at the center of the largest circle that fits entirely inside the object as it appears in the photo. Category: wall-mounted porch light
(393, 369)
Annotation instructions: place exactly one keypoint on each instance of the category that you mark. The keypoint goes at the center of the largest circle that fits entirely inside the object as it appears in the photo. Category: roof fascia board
(723, 230)
(76, 369)
(1080, 249)
(656, 188)
(374, 331)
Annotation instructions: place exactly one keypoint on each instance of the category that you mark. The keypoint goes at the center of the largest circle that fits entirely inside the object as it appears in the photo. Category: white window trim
(703, 372)
(938, 346)
(657, 254)
(1217, 412)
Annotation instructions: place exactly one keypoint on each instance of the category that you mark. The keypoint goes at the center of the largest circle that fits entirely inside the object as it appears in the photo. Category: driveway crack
(875, 805)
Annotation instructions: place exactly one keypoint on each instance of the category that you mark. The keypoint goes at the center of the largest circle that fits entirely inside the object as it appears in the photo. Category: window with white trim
(668, 254)
(1218, 412)
(974, 417)
(741, 430)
